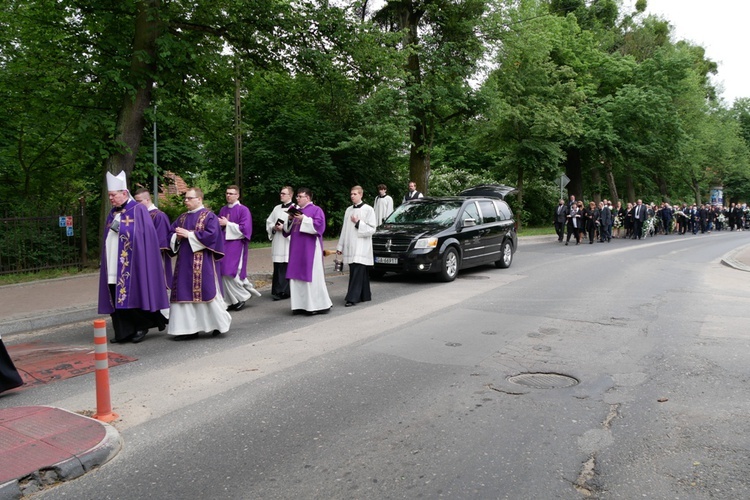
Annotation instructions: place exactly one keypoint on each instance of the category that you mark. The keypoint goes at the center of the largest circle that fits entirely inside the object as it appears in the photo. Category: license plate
(386, 260)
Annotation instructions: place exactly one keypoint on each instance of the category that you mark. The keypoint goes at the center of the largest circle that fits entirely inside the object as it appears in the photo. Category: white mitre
(117, 182)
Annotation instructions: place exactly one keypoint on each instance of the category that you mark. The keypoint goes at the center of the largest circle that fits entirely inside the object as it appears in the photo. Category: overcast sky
(721, 27)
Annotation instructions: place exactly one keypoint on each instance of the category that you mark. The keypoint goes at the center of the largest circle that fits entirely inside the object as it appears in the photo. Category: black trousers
(576, 232)
(126, 322)
(279, 283)
(359, 284)
(638, 228)
(9, 376)
(560, 230)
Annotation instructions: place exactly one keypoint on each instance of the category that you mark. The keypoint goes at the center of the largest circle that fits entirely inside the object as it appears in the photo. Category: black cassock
(359, 284)
(9, 377)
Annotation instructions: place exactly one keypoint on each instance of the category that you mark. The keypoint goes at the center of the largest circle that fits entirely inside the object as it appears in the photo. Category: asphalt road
(409, 396)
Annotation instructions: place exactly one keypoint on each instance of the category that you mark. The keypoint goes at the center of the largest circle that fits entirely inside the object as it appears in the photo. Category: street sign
(564, 180)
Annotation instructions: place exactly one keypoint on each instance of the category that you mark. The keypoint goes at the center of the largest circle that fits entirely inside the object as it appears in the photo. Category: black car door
(492, 237)
(470, 233)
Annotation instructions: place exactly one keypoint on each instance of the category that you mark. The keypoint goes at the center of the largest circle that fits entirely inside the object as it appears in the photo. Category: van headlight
(426, 243)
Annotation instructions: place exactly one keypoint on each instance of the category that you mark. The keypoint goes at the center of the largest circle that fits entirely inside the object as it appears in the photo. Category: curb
(730, 259)
(60, 317)
(53, 318)
(67, 469)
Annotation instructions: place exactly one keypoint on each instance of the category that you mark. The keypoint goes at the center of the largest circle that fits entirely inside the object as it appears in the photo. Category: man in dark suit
(695, 217)
(561, 217)
(639, 217)
(666, 217)
(605, 222)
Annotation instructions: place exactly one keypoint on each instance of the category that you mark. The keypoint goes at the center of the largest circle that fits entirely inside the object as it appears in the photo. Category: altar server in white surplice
(355, 244)
(275, 224)
(383, 204)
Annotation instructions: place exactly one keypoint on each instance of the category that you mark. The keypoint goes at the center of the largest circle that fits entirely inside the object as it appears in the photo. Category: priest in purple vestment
(305, 270)
(163, 228)
(132, 289)
(237, 225)
(197, 304)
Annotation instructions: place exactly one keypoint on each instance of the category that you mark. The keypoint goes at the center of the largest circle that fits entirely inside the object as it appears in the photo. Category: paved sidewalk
(42, 304)
(42, 445)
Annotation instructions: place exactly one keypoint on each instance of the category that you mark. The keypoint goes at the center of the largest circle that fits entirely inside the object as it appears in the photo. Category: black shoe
(115, 340)
(275, 297)
(215, 333)
(239, 305)
(349, 304)
(139, 336)
(231, 308)
(566, 243)
(186, 337)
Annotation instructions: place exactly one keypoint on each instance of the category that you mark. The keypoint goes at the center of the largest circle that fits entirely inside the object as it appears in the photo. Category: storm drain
(543, 380)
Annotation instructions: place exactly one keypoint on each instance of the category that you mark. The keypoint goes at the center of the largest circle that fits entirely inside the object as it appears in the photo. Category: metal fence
(29, 244)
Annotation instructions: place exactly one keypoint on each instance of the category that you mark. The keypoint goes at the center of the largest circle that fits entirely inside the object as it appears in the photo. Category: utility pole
(237, 131)
(156, 175)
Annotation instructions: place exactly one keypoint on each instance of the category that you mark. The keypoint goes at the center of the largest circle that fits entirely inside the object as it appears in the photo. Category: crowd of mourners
(603, 221)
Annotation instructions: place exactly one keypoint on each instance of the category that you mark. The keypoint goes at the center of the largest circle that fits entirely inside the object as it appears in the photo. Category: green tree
(442, 46)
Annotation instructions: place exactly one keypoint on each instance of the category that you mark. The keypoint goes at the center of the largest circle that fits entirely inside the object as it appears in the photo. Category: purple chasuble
(163, 227)
(140, 275)
(302, 245)
(195, 272)
(234, 250)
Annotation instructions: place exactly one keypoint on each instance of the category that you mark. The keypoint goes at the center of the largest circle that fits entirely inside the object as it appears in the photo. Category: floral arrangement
(648, 227)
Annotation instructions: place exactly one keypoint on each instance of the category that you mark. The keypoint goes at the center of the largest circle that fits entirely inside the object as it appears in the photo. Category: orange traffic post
(101, 362)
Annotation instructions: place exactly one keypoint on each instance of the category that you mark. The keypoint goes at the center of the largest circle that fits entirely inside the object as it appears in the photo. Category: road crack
(588, 483)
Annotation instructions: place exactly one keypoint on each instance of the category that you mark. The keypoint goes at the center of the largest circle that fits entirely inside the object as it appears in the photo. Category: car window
(471, 212)
(443, 213)
(489, 214)
(504, 210)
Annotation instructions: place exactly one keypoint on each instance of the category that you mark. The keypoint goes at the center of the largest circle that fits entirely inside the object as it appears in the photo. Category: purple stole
(162, 226)
(302, 245)
(236, 249)
(195, 272)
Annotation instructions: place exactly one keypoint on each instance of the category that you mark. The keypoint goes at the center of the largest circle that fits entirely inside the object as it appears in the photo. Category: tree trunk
(131, 117)
(662, 183)
(696, 190)
(519, 198)
(419, 162)
(573, 171)
(596, 178)
(631, 189)
(610, 176)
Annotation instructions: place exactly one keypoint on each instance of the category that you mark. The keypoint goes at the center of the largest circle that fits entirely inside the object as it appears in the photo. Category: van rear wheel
(506, 256)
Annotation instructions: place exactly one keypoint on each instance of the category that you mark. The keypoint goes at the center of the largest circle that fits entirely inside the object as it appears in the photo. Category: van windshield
(442, 213)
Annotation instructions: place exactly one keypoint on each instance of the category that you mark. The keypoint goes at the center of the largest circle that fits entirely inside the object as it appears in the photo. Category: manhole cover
(543, 380)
